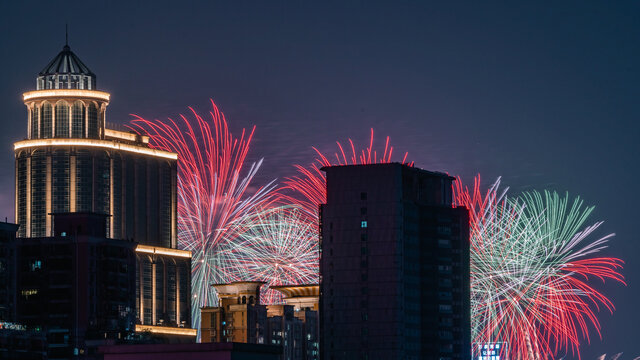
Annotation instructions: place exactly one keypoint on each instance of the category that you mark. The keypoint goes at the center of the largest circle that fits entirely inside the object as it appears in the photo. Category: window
(34, 122)
(47, 116)
(92, 120)
(444, 243)
(77, 120)
(363, 224)
(363, 237)
(35, 265)
(363, 196)
(444, 230)
(363, 211)
(62, 119)
(29, 292)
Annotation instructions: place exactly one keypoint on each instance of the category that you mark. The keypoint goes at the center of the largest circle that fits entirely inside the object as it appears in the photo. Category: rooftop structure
(66, 71)
(300, 296)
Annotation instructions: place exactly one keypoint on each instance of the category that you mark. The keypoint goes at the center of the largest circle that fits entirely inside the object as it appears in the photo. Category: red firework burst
(310, 183)
(531, 264)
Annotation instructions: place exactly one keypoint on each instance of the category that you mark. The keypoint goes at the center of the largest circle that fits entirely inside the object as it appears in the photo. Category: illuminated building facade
(163, 289)
(71, 162)
(239, 317)
(394, 265)
(292, 326)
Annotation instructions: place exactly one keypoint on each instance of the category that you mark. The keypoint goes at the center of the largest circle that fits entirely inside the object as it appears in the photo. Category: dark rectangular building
(7, 271)
(394, 265)
(77, 287)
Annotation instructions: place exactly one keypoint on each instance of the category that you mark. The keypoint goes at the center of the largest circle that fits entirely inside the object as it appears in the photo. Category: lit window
(29, 292)
(35, 265)
(363, 224)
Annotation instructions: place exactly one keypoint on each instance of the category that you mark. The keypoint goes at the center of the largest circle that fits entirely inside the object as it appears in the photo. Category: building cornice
(167, 330)
(95, 143)
(66, 93)
(163, 251)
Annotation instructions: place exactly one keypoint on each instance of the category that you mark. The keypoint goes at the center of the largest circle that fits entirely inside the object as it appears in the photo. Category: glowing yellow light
(29, 292)
(76, 93)
(163, 251)
(106, 144)
(166, 330)
(119, 135)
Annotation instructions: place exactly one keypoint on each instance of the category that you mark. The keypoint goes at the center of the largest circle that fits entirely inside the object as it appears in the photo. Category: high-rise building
(8, 271)
(77, 287)
(292, 326)
(71, 162)
(394, 266)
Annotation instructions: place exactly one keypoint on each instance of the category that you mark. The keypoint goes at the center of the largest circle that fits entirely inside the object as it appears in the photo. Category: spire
(66, 34)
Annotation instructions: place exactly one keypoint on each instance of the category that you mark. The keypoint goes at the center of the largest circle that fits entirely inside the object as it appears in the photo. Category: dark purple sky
(544, 94)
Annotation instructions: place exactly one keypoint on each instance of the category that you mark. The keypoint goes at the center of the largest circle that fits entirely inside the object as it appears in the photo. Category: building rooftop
(392, 164)
(66, 71)
(66, 62)
(293, 291)
(238, 288)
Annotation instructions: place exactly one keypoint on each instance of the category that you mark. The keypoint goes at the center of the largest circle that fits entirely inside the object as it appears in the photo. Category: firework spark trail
(531, 260)
(213, 194)
(613, 357)
(279, 246)
(309, 186)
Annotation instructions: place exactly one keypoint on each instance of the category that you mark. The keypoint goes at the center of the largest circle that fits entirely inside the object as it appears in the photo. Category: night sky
(543, 94)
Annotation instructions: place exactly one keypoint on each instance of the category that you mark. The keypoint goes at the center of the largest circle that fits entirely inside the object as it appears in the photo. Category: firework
(310, 183)
(531, 260)
(213, 195)
(280, 247)
(613, 357)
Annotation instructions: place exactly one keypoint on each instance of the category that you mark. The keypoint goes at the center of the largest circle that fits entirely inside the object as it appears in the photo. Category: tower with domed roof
(70, 162)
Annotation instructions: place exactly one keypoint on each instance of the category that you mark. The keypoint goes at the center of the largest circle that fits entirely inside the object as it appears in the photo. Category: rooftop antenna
(66, 34)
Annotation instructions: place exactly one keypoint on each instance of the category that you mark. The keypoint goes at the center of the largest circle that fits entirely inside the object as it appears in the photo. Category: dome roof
(66, 71)
(66, 62)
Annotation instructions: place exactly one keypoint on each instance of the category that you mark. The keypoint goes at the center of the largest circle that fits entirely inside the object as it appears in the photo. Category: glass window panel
(47, 112)
(77, 120)
(62, 119)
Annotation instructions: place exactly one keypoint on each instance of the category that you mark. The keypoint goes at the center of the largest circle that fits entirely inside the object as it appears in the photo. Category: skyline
(499, 94)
